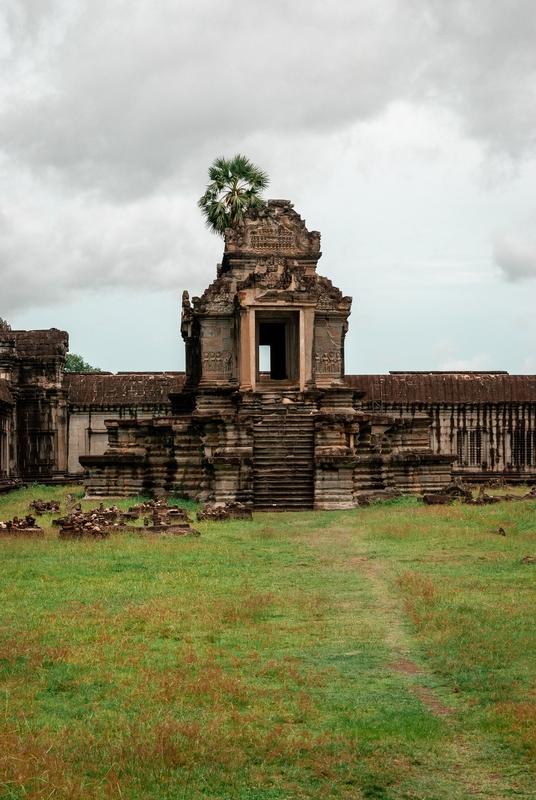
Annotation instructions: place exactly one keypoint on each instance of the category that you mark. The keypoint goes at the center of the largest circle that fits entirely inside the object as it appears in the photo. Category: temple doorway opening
(277, 347)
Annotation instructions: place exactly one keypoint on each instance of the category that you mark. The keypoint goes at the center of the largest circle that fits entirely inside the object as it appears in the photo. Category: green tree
(75, 363)
(234, 186)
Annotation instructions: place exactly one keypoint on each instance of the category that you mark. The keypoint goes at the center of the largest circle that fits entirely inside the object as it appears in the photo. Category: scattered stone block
(382, 496)
(222, 513)
(41, 507)
(21, 528)
(438, 499)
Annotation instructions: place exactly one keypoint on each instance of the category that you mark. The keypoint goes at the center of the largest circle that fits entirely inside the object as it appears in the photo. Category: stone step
(294, 486)
(269, 455)
(283, 451)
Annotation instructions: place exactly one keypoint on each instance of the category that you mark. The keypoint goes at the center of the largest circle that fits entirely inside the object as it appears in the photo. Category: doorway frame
(292, 318)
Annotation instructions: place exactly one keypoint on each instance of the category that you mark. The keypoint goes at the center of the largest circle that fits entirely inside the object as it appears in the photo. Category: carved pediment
(275, 229)
(271, 238)
(272, 252)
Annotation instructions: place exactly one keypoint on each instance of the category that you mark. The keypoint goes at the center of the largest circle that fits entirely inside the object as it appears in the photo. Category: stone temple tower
(265, 416)
(267, 295)
(266, 341)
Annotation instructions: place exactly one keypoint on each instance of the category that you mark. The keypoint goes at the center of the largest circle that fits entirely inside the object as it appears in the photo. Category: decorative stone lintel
(413, 457)
(112, 458)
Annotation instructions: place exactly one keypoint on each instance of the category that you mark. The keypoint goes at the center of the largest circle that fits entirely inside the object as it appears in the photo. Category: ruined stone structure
(33, 403)
(264, 414)
(486, 419)
(49, 417)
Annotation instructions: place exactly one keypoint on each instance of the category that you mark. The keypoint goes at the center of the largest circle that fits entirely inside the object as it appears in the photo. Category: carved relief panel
(271, 239)
(218, 349)
(328, 355)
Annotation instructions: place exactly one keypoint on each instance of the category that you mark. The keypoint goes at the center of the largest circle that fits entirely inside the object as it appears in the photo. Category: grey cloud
(484, 67)
(55, 254)
(133, 89)
(515, 253)
(111, 110)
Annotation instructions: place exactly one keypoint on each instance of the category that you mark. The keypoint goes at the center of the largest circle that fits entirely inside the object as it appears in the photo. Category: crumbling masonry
(287, 432)
(264, 414)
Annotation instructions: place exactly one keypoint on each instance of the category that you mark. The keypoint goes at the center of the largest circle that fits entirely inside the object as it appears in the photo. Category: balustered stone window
(523, 448)
(469, 447)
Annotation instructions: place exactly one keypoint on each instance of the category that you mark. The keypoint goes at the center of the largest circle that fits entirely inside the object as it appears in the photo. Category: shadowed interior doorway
(277, 347)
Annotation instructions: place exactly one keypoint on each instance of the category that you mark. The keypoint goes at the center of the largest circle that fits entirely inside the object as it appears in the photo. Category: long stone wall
(488, 440)
(486, 421)
(88, 434)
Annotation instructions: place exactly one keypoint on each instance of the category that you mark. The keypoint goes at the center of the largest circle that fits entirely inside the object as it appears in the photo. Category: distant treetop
(75, 363)
(234, 186)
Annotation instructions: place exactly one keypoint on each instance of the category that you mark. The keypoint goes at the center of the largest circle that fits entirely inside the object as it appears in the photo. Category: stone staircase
(283, 458)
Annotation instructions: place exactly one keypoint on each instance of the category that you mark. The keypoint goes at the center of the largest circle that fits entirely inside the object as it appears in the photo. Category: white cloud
(111, 110)
(119, 95)
(446, 354)
(476, 363)
(514, 251)
(529, 366)
(53, 248)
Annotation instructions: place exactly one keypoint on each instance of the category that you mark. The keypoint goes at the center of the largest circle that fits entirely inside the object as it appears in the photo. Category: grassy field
(387, 652)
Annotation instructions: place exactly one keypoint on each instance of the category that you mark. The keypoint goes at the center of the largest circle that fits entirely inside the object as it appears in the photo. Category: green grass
(387, 652)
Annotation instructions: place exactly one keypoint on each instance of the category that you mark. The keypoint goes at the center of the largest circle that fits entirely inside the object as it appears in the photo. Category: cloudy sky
(403, 130)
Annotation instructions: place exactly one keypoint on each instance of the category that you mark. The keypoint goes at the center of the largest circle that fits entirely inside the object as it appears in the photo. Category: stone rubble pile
(150, 506)
(457, 490)
(45, 507)
(7, 483)
(20, 527)
(171, 520)
(159, 513)
(97, 523)
(367, 498)
(221, 513)
(100, 522)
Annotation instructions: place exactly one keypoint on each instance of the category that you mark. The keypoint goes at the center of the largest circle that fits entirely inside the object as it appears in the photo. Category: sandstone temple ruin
(264, 413)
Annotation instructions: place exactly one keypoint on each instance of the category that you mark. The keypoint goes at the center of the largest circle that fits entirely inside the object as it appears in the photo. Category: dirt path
(465, 757)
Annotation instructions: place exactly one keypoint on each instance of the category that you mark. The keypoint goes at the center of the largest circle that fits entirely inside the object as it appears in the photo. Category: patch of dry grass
(260, 661)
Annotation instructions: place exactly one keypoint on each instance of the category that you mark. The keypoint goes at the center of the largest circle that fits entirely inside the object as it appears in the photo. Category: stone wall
(99, 396)
(7, 433)
(31, 365)
(486, 421)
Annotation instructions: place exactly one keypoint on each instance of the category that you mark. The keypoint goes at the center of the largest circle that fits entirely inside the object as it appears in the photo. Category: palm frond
(235, 185)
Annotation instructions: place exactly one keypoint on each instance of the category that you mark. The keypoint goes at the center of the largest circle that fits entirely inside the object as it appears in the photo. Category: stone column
(252, 349)
(302, 350)
(246, 345)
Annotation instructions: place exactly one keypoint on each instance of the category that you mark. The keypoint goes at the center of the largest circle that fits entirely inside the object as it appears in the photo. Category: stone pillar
(308, 314)
(246, 339)
(336, 427)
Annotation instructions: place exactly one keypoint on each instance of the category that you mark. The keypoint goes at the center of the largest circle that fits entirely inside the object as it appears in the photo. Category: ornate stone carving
(218, 362)
(272, 264)
(274, 228)
(274, 278)
(328, 362)
(326, 303)
(270, 239)
(218, 297)
(269, 259)
(4, 326)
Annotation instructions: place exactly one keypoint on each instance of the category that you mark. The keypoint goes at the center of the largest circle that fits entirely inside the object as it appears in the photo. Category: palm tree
(234, 187)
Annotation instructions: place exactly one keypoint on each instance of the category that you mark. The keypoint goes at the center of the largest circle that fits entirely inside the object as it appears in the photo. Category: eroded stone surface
(294, 432)
(289, 434)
